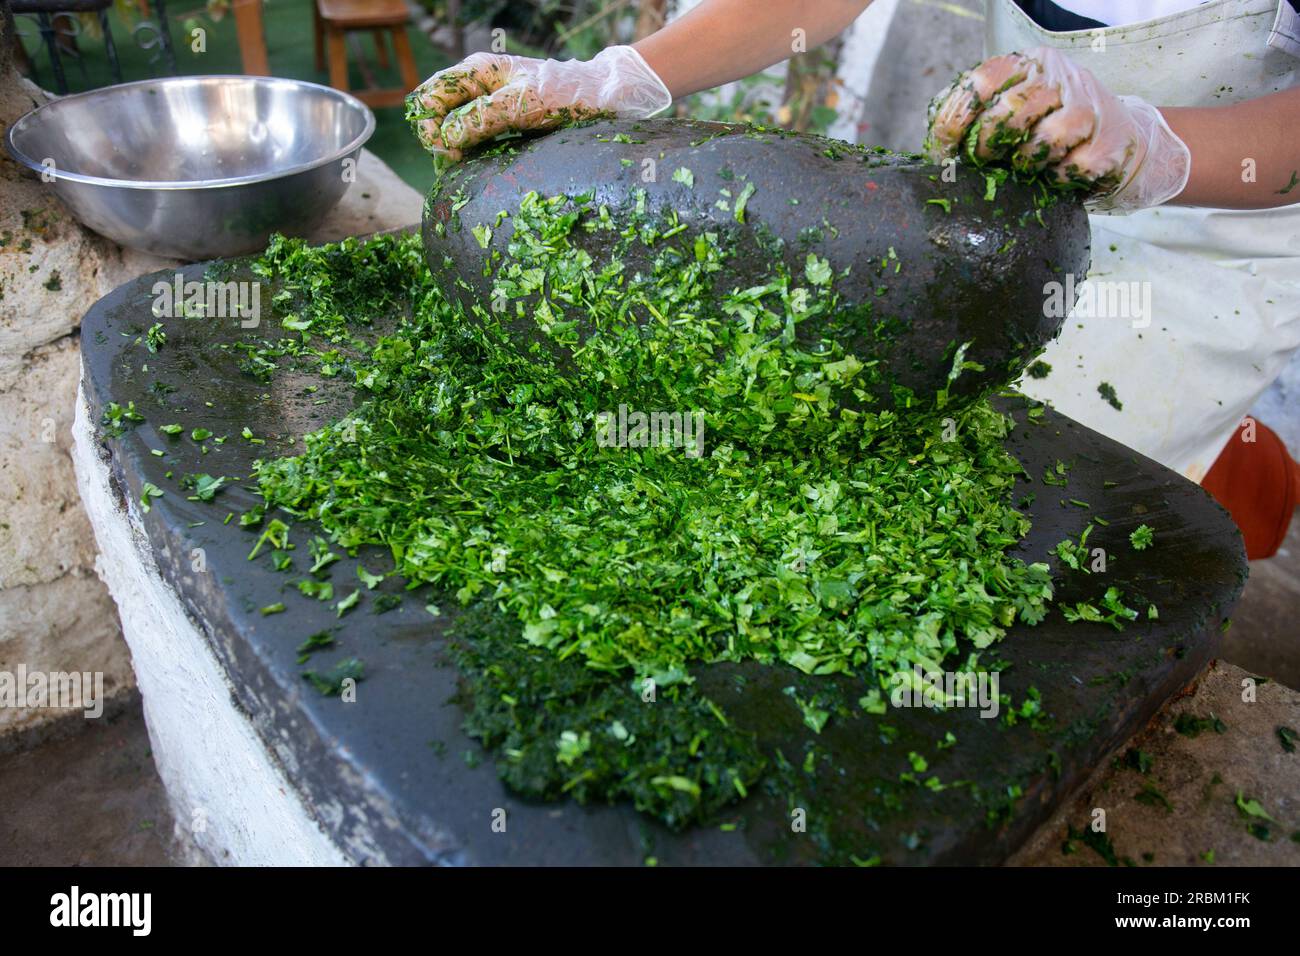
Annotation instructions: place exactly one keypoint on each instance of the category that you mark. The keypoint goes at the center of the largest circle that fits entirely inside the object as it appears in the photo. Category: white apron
(1191, 312)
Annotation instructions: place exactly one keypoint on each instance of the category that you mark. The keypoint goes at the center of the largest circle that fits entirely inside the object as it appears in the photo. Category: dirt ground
(91, 799)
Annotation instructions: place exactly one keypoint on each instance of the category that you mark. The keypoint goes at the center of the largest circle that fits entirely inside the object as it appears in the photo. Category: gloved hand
(1040, 110)
(491, 93)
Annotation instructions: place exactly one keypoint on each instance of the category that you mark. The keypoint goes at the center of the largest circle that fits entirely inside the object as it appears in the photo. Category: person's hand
(488, 94)
(1040, 111)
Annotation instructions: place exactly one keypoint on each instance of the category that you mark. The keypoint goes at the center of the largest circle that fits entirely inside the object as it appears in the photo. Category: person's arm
(488, 94)
(1245, 156)
(724, 40)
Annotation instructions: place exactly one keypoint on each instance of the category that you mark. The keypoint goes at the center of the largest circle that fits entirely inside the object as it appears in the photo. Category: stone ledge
(229, 798)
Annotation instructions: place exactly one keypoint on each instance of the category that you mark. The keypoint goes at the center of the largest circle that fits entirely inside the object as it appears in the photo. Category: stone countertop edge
(224, 814)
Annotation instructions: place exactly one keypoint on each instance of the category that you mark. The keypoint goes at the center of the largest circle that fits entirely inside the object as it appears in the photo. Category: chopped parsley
(1141, 537)
(819, 528)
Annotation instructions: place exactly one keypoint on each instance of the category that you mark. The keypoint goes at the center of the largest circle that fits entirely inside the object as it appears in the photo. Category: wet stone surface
(409, 783)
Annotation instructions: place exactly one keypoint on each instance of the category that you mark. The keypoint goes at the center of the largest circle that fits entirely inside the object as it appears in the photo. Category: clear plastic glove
(1039, 110)
(488, 94)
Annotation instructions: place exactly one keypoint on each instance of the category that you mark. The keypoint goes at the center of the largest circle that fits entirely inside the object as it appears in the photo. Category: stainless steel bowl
(197, 167)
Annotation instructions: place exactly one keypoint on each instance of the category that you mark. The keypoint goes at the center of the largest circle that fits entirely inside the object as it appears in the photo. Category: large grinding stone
(926, 259)
(388, 774)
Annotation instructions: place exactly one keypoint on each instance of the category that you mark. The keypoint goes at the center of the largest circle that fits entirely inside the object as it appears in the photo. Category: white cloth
(1119, 12)
(1212, 295)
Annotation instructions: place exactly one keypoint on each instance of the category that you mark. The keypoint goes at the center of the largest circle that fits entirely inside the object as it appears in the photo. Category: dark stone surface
(933, 276)
(390, 768)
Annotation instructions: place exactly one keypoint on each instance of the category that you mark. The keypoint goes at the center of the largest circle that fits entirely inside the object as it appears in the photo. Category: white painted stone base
(230, 798)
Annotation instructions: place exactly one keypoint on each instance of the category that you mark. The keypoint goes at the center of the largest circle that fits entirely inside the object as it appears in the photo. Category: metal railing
(58, 30)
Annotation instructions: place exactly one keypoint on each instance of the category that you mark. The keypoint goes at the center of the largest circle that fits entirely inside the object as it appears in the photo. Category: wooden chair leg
(318, 35)
(405, 59)
(381, 49)
(251, 33)
(338, 59)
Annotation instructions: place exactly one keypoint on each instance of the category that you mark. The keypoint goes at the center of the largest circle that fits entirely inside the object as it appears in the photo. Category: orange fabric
(1258, 482)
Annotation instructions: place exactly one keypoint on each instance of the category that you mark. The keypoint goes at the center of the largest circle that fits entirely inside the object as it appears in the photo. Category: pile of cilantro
(820, 529)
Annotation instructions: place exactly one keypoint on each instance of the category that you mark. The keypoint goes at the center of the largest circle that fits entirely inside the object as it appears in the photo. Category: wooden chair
(336, 18)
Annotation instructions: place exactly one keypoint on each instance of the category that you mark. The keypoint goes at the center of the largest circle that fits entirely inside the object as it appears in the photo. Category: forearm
(723, 40)
(1245, 156)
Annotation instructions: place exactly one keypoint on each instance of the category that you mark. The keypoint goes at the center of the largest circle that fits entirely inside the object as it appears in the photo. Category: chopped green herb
(811, 531)
(1287, 737)
(316, 642)
(331, 683)
(205, 487)
(1138, 760)
(1151, 796)
(320, 590)
(148, 491)
(348, 603)
(1252, 808)
(742, 200)
(1190, 725)
(118, 419)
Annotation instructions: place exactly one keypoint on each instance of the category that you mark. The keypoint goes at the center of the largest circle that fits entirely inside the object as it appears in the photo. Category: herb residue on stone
(817, 530)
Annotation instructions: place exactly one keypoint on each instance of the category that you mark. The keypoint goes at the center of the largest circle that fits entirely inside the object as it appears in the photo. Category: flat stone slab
(392, 778)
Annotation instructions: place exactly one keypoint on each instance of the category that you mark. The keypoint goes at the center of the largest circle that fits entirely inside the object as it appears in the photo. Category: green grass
(288, 25)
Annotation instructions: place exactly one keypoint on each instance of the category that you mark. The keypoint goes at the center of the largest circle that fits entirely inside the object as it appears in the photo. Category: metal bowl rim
(20, 157)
